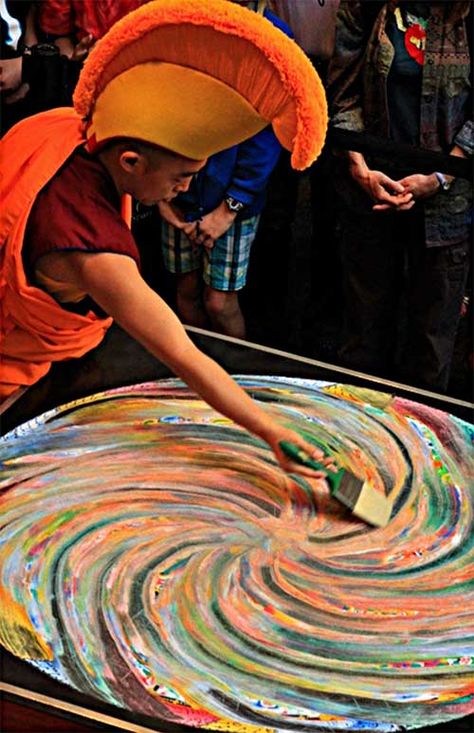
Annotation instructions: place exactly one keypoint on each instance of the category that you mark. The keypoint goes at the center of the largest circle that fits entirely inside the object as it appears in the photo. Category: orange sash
(34, 329)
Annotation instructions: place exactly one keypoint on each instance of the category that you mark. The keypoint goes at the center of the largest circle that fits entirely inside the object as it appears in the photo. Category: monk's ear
(132, 162)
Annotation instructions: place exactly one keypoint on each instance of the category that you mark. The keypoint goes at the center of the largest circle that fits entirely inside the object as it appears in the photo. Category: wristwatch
(443, 181)
(234, 205)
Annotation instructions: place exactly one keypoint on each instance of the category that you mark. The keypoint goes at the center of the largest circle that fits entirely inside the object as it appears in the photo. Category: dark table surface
(120, 361)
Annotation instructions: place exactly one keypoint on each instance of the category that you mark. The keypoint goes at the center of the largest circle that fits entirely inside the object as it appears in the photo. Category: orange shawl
(34, 329)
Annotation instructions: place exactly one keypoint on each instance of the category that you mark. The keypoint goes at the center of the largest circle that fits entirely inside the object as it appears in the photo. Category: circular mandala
(153, 555)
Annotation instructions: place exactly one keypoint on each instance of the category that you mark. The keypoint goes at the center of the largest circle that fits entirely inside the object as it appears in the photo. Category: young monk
(144, 123)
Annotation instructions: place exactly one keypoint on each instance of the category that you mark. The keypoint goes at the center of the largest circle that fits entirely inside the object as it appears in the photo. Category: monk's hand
(279, 434)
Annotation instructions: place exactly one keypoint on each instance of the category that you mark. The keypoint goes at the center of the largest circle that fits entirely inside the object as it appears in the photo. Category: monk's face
(154, 176)
(160, 177)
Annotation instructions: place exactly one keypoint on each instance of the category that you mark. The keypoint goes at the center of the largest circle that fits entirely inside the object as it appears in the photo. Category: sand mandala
(153, 555)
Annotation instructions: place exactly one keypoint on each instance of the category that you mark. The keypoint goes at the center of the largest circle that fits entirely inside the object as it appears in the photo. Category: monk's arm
(114, 282)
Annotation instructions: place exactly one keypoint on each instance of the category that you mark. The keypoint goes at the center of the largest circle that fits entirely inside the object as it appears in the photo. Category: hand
(212, 226)
(388, 195)
(66, 46)
(18, 94)
(10, 74)
(173, 215)
(279, 433)
(421, 186)
(81, 49)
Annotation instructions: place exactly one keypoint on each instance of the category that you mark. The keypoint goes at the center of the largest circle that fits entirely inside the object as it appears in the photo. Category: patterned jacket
(358, 97)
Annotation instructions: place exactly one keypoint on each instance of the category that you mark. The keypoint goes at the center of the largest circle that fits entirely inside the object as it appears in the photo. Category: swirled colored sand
(153, 555)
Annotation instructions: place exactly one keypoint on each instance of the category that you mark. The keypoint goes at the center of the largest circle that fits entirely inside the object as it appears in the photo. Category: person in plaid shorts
(207, 232)
(209, 275)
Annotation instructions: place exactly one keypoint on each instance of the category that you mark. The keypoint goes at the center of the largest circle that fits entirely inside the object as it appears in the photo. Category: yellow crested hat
(198, 76)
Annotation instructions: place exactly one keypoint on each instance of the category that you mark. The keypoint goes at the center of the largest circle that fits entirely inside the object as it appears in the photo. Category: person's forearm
(171, 213)
(202, 374)
(114, 282)
(146, 317)
(219, 390)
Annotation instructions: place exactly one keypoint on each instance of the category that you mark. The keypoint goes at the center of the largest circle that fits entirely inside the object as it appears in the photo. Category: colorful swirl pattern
(153, 555)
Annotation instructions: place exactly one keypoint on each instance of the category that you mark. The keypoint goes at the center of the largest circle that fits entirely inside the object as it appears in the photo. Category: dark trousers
(402, 301)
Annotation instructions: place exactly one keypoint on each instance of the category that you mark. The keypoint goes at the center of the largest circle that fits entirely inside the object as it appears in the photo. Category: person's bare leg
(224, 312)
(189, 299)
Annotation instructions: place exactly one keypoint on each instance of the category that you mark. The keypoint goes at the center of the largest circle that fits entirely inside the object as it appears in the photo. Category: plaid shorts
(224, 267)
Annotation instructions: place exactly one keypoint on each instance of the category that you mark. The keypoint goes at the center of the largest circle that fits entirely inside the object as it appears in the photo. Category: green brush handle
(298, 455)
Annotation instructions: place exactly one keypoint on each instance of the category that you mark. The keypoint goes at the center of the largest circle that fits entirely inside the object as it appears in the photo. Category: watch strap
(233, 204)
(445, 185)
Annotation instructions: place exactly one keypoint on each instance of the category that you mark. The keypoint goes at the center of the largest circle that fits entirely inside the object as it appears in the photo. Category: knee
(220, 304)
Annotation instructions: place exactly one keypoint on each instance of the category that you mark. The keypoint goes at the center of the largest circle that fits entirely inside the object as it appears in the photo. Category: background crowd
(364, 262)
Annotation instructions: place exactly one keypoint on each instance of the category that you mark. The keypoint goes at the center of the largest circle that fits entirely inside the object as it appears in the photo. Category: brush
(357, 495)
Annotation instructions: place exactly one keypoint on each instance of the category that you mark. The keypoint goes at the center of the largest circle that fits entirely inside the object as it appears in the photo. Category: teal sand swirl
(153, 555)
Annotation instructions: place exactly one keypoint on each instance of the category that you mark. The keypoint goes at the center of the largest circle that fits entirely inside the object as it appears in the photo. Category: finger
(407, 207)
(316, 454)
(82, 49)
(385, 198)
(291, 467)
(330, 462)
(192, 229)
(311, 450)
(400, 198)
(395, 205)
(384, 207)
(389, 183)
(85, 42)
